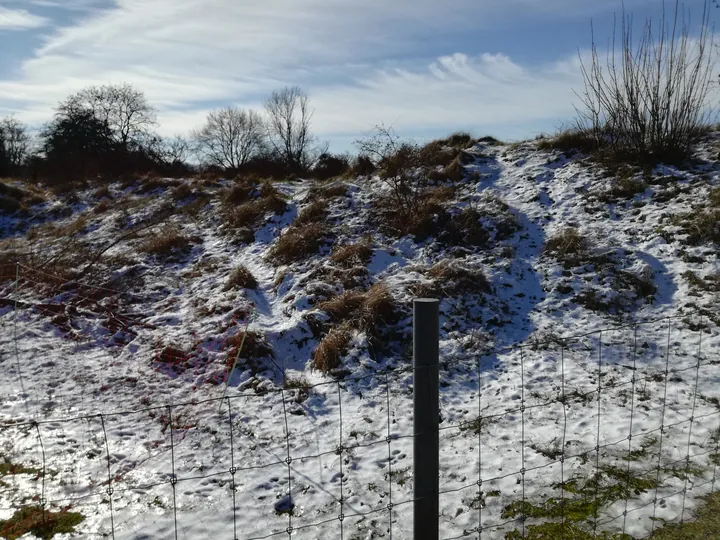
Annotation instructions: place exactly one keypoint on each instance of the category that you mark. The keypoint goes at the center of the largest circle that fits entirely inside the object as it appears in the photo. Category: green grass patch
(43, 524)
(705, 525)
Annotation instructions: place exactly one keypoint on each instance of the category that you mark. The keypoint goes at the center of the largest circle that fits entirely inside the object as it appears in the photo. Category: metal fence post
(426, 447)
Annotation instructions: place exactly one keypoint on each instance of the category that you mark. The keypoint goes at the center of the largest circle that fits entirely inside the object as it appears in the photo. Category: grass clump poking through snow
(169, 243)
(701, 226)
(583, 500)
(457, 279)
(705, 525)
(332, 347)
(298, 243)
(352, 254)
(304, 237)
(353, 310)
(241, 278)
(44, 524)
(13, 199)
(569, 140)
(623, 188)
(315, 212)
(246, 207)
(364, 310)
(568, 246)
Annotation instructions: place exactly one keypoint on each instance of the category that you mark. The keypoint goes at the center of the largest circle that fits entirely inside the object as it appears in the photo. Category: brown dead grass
(456, 279)
(363, 310)
(168, 243)
(330, 350)
(455, 170)
(102, 192)
(254, 347)
(315, 212)
(329, 191)
(241, 278)
(18, 199)
(352, 254)
(298, 243)
(241, 212)
(183, 191)
(568, 140)
(567, 246)
(102, 207)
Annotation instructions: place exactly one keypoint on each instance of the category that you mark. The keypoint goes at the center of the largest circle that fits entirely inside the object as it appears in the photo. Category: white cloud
(453, 91)
(189, 54)
(19, 19)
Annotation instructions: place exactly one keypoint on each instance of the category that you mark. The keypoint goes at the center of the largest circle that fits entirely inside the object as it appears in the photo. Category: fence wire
(576, 472)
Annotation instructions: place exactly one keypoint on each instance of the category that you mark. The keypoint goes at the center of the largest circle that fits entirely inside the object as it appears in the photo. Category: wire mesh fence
(613, 431)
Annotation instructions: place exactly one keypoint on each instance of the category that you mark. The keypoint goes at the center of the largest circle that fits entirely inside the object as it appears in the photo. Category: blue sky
(501, 67)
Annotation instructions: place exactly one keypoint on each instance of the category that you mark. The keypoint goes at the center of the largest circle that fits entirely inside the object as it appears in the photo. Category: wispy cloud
(456, 90)
(20, 19)
(190, 55)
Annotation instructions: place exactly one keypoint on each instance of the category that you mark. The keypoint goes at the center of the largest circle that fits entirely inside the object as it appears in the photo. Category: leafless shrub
(648, 103)
(397, 163)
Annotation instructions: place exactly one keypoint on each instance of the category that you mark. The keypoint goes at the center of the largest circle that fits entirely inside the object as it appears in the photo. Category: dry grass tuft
(244, 209)
(242, 278)
(569, 140)
(238, 194)
(170, 243)
(330, 191)
(352, 254)
(454, 279)
(101, 207)
(315, 212)
(255, 346)
(701, 226)
(715, 197)
(14, 199)
(455, 171)
(438, 154)
(183, 191)
(330, 350)
(344, 306)
(102, 192)
(298, 243)
(363, 310)
(378, 307)
(568, 246)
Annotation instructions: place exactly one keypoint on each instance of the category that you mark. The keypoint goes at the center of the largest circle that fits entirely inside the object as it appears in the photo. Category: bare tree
(288, 127)
(230, 137)
(124, 108)
(15, 142)
(176, 149)
(649, 102)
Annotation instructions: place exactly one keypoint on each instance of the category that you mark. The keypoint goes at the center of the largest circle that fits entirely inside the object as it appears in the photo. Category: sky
(507, 68)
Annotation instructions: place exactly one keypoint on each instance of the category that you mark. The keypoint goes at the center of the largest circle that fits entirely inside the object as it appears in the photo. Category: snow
(268, 458)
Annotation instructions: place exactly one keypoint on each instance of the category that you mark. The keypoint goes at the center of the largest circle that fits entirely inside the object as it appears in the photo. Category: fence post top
(425, 301)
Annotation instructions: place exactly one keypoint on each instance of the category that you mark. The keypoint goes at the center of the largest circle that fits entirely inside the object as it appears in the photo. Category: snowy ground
(84, 385)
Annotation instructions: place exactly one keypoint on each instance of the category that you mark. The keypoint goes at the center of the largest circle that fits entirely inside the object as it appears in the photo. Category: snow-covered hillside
(118, 380)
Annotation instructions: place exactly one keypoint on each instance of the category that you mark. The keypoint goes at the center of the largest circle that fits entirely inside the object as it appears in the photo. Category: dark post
(426, 353)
